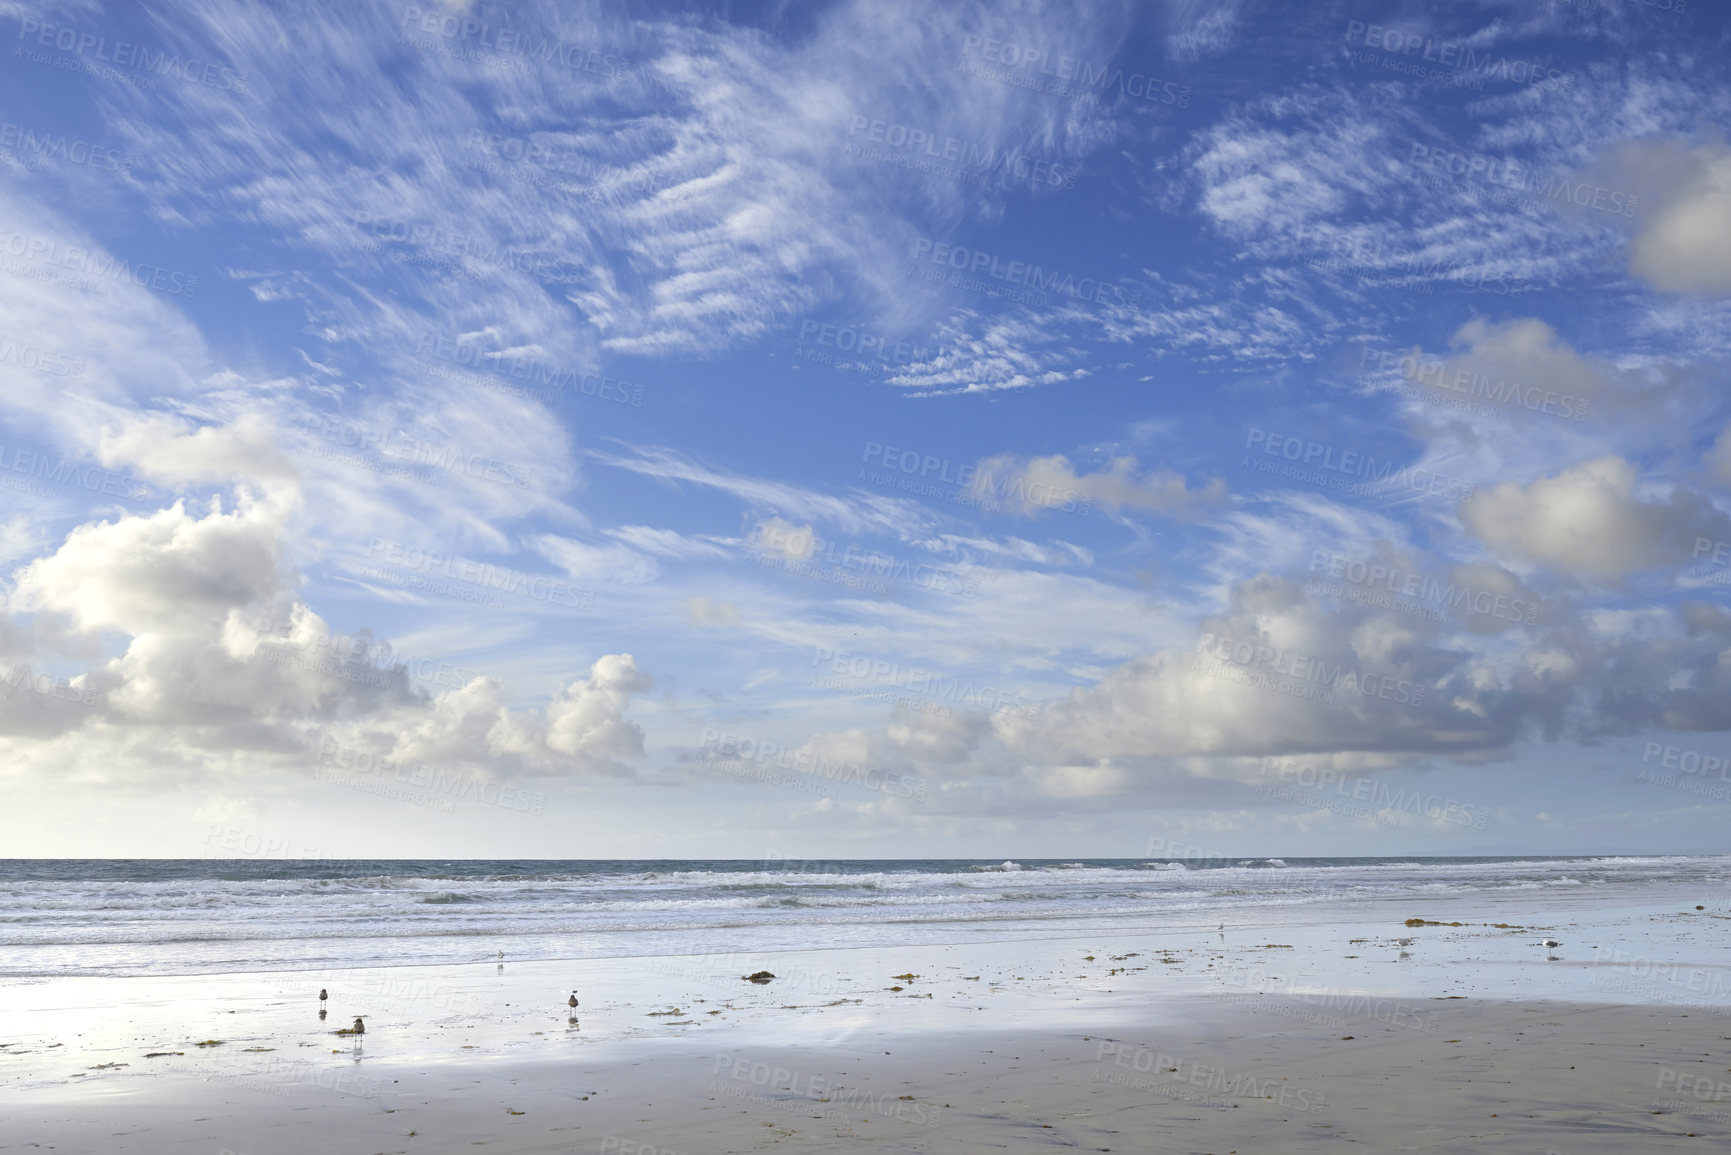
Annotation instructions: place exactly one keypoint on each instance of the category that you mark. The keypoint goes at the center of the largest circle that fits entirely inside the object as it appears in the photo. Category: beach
(1324, 1022)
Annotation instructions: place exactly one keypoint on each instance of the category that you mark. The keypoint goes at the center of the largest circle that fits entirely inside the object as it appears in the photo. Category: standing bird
(572, 1001)
(323, 995)
(1550, 943)
(359, 1028)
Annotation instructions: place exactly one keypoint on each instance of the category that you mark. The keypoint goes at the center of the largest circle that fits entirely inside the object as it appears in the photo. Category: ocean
(117, 917)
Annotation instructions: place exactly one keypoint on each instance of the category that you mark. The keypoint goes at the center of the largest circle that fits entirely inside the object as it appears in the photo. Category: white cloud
(166, 450)
(1588, 521)
(1684, 242)
(225, 670)
(709, 612)
(616, 564)
(1051, 483)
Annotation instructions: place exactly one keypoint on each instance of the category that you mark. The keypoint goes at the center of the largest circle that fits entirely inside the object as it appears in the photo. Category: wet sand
(1171, 1041)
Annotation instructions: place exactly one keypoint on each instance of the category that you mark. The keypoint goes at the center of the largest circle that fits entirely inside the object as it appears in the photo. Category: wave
(178, 918)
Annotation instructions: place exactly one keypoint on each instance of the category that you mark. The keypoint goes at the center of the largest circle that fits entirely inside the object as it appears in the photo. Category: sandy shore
(1205, 1077)
(1436, 1037)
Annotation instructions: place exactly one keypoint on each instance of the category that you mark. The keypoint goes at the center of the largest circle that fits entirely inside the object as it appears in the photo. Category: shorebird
(1550, 943)
(572, 1001)
(359, 1028)
(323, 995)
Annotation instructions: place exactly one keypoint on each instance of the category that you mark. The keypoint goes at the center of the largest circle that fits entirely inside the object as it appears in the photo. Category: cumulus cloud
(1522, 363)
(169, 451)
(222, 667)
(1588, 521)
(1052, 483)
(582, 729)
(167, 570)
(1684, 244)
(1396, 689)
(1249, 688)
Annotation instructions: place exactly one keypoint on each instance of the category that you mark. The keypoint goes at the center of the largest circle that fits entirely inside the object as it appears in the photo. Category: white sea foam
(186, 917)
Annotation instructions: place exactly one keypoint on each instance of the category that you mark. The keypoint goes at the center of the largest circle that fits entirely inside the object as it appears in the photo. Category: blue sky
(865, 429)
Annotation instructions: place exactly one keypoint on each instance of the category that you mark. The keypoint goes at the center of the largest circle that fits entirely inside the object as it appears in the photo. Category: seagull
(1403, 941)
(323, 995)
(1549, 943)
(572, 1001)
(359, 1028)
